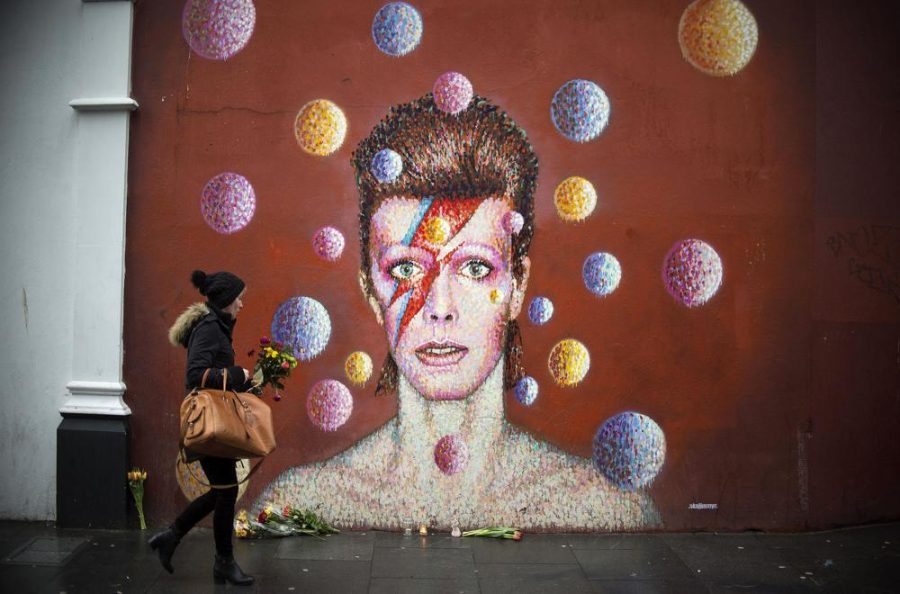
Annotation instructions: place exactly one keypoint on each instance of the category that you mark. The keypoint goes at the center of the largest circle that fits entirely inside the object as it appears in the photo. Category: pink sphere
(329, 404)
(451, 454)
(692, 272)
(218, 29)
(227, 202)
(452, 92)
(513, 222)
(328, 243)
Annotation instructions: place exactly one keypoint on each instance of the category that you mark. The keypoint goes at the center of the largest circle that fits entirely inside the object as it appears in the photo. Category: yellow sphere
(358, 368)
(575, 199)
(717, 37)
(320, 127)
(437, 231)
(496, 296)
(569, 362)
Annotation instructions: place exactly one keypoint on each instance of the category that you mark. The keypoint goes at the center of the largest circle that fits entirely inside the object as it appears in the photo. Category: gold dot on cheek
(437, 231)
(496, 296)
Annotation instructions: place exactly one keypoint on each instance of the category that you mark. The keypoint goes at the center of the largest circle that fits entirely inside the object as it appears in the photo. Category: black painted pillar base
(92, 464)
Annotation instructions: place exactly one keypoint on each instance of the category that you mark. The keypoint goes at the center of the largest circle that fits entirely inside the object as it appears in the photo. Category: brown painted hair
(479, 152)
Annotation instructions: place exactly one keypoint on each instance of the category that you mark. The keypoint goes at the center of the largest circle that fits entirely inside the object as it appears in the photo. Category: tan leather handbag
(225, 423)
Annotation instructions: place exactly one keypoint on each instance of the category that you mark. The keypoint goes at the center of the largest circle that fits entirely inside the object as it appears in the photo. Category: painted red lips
(441, 354)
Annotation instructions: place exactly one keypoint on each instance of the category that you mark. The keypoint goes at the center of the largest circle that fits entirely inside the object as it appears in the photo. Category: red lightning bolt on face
(456, 212)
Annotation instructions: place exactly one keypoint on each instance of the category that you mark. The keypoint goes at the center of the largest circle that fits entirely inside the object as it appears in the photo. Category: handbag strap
(205, 377)
(211, 486)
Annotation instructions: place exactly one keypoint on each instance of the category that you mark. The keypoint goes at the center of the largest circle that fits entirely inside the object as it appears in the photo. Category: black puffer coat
(205, 331)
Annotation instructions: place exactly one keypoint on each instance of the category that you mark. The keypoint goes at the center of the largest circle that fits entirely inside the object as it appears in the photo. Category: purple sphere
(227, 202)
(386, 166)
(692, 272)
(303, 324)
(217, 29)
(452, 92)
(580, 110)
(540, 311)
(329, 404)
(601, 273)
(328, 243)
(527, 390)
(629, 449)
(451, 454)
(397, 28)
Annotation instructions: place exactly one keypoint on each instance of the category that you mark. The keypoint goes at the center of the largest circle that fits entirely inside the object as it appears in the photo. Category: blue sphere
(580, 110)
(601, 273)
(527, 390)
(629, 450)
(397, 28)
(386, 166)
(540, 310)
(303, 324)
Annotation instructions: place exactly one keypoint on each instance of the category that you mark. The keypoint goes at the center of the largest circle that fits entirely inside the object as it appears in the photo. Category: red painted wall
(778, 398)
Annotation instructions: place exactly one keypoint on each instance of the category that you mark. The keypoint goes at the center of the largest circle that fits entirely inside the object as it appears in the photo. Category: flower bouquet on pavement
(270, 523)
(274, 364)
(136, 478)
(499, 532)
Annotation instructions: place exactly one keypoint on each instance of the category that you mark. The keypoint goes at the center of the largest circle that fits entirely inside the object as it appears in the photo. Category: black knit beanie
(220, 288)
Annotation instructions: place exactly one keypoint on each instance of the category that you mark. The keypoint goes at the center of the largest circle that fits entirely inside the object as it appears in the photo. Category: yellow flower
(268, 509)
(144, 475)
(242, 516)
(240, 532)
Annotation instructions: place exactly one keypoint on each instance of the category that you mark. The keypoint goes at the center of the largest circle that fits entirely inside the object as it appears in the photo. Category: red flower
(517, 535)
(264, 340)
(285, 365)
(286, 511)
(262, 517)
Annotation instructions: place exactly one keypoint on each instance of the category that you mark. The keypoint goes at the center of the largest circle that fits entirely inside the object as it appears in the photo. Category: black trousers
(219, 471)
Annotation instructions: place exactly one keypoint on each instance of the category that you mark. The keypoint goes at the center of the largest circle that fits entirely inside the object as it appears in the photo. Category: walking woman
(205, 330)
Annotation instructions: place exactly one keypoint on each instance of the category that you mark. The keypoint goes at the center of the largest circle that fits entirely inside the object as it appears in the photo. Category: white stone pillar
(101, 169)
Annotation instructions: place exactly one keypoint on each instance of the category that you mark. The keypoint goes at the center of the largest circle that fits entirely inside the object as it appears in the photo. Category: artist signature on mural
(872, 253)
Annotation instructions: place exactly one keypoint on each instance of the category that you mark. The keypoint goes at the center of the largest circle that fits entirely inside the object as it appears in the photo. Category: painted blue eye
(476, 269)
(405, 270)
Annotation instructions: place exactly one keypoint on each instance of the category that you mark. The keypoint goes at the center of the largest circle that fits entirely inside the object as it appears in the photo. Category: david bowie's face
(443, 282)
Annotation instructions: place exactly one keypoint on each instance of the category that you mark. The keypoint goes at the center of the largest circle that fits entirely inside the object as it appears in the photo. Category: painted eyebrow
(398, 250)
(467, 249)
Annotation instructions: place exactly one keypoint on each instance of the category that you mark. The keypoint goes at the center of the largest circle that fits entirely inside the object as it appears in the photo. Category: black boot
(164, 543)
(226, 569)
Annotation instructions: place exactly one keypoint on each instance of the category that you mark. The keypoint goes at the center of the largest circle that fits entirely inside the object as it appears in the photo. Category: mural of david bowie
(445, 267)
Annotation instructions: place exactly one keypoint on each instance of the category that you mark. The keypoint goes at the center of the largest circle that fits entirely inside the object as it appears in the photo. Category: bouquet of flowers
(136, 478)
(274, 363)
(499, 532)
(271, 523)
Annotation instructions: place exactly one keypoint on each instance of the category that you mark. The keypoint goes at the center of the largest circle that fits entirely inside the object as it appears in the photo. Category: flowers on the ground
(496, 532)
(287, 522)
(274, 363)
(136, 478)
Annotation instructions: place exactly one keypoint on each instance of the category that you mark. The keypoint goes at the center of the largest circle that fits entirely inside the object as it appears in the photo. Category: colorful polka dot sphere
(303, 324)
(540, 310)
(329, 404)
(692, 272)
(320, 127)
(601, 273)
(452, 92)
(328, 243)
(717, 37)
(386, 166)
(629, 449)
(451, 454)
(527, 390)
(575, 199)
(217, 29)
(580, 110)
(227, 202)
(397, 28)
(569, 362)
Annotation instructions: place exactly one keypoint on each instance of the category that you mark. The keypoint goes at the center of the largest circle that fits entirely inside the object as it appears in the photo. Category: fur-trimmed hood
(180, 331)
